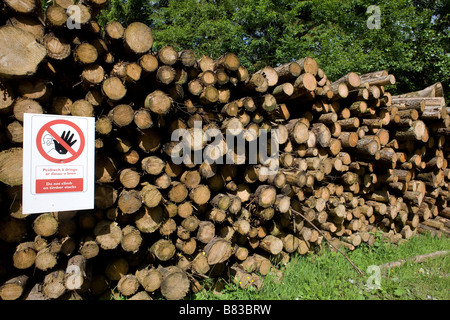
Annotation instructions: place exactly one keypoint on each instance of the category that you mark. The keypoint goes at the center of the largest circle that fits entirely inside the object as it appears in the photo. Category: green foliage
(46, 3)
(128, 11)
(413, 42)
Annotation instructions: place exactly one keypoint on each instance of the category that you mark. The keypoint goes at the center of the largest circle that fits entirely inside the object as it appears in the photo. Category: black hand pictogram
(68, 139)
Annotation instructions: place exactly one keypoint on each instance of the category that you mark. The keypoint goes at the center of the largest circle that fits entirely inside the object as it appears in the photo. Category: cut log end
(21, 52)
(138, 37)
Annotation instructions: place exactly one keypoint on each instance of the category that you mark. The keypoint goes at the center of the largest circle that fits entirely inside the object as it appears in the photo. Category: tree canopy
(412, 41)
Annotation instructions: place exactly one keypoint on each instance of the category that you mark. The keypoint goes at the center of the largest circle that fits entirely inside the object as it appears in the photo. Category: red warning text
(59, 185)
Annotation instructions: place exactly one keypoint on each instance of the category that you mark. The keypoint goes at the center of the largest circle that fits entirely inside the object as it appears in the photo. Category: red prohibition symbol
(48, 127)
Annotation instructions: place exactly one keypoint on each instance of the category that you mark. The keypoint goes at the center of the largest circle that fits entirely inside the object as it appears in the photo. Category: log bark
(435, 90)
(416, 131)
(323, 134)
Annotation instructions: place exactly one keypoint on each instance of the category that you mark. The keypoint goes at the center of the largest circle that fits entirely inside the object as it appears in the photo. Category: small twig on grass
(418, 259)
(360, 272)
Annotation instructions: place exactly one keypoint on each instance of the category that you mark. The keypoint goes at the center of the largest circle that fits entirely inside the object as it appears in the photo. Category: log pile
(353, 160)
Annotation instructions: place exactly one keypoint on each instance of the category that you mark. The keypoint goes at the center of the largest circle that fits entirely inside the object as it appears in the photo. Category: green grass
(327, 275)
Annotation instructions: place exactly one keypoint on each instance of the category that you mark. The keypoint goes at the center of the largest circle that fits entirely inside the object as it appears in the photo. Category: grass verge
(326, 275)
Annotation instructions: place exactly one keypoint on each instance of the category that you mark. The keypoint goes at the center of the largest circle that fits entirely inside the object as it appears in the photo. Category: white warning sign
(58, 163)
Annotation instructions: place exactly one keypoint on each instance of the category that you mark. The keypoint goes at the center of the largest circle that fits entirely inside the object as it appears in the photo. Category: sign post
(58, 163)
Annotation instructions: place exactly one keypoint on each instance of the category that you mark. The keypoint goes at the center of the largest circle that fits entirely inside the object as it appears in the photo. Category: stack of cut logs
(354, 160)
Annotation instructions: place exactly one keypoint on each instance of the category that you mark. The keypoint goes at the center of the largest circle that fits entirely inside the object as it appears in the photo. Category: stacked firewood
(352, 160)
